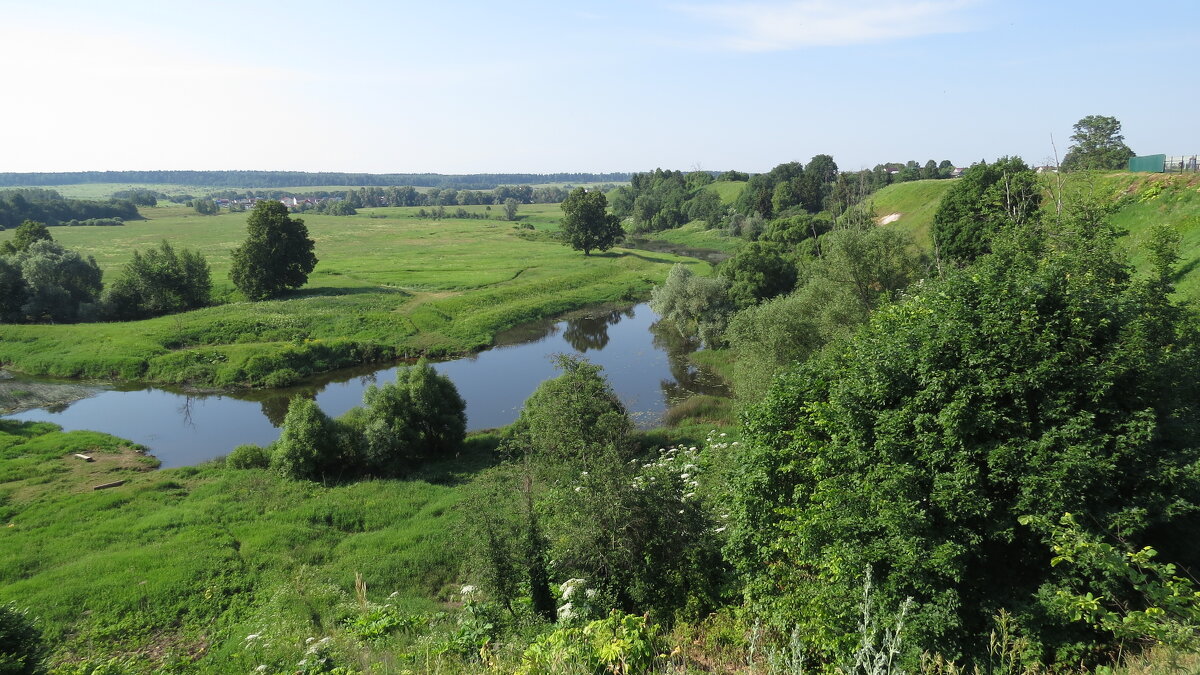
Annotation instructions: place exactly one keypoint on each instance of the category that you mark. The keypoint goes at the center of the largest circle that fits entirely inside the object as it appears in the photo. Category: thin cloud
(776, 26)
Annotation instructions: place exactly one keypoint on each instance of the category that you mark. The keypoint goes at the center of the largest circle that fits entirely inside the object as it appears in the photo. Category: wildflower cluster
(578, 601)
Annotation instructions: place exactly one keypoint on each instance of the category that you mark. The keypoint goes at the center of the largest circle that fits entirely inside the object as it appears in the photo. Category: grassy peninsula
(389, 283)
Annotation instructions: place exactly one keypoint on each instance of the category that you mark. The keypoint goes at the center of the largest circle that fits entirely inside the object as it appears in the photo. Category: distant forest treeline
(274, 179)
(50, 208)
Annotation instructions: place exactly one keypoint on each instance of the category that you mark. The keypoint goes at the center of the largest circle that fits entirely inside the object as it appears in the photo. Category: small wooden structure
(86, 458)
(105, 486)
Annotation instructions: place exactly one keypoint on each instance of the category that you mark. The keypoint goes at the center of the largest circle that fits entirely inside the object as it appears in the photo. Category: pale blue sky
(463, 87)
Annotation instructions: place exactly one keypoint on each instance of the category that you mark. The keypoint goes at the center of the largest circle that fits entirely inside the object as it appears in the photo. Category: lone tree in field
(1097, 144)
(276, 256)
(586, 223)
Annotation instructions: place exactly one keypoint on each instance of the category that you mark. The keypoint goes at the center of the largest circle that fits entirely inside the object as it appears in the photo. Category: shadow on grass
(478, 452)
(334, 291)
(1184, 270)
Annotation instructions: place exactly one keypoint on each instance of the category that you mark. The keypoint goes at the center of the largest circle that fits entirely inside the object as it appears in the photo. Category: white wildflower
(566, 612)
(567, 589)
(252, 637)
(720, 529)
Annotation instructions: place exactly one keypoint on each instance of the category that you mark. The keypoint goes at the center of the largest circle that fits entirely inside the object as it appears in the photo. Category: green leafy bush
(622, 644)
(1040, 381)
(21, 646)
(248, 456)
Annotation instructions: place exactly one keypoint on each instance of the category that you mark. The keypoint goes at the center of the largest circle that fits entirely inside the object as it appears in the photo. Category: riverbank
(387, 286)
(650, 372)
(18, 394)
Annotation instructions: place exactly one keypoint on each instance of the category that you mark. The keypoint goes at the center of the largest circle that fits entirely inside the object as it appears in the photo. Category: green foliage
(12, 291)
(586, 224)
(56, 285)
(759, 271)
(205, 206)
(638, 535)
(862, 268)
(310, 446)
(1140, 599)
(248, 456)
(574, 418)
(1040, 381)
(510, 208)
(21, 646)
(706, 206)
(418, 417)
(276, 256)
(621, 644)
(985, 199)
(633, 531)
(160, 282)
(698, 306)
(24, 236)
(1097, 144)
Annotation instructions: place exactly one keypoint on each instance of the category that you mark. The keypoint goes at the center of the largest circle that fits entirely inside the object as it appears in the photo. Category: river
(646, 364)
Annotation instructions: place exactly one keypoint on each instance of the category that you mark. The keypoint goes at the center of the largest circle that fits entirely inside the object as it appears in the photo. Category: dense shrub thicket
(629, 528)
(417, 418)
(1040, 381)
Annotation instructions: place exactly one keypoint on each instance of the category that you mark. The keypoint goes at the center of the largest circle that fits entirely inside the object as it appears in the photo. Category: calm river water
(646, 364)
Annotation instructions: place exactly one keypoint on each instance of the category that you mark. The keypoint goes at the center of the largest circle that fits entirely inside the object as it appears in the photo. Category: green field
(387, 284)
(182, 562)
(915, 201)
(727, 190)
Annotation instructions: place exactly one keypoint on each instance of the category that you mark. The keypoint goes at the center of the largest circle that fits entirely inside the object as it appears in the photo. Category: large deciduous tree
(56, 285)
(586, 224)
(985, 199)
(1097, 144)
(276, 256)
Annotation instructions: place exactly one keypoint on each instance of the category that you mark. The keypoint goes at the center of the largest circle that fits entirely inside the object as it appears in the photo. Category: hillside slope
(1140, 201)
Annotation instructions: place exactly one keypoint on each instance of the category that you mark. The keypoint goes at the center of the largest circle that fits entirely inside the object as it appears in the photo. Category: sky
(554, 86)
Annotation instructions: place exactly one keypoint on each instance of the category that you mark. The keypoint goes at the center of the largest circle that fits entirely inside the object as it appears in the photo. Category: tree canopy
(276, 256)
(986, 198)
(161, 281)
(586, 223)
(1097, 144)
(48, 283)
(418, 417)
(24, 236)
(1041, 380)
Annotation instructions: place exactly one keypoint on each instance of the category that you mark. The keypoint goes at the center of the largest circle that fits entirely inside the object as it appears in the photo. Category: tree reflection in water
(689, 380)
(591, 332)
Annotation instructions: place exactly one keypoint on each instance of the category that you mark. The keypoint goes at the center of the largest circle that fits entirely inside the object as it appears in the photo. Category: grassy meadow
(180, 563)
(388, 283)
